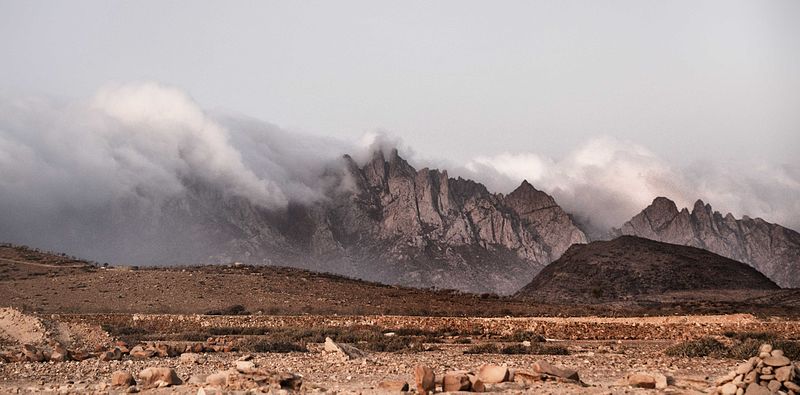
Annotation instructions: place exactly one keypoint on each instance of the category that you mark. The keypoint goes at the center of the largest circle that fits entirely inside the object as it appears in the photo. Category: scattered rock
(158, 377)
(393, 386)
(245, 367)
(121, 378)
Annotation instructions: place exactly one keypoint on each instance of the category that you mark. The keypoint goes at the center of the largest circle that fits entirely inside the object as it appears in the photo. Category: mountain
(381, 220)
(630, 268)
(770, 248)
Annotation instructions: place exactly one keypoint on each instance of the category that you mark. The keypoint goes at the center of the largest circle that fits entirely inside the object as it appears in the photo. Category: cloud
(606, 181)
(71, 169)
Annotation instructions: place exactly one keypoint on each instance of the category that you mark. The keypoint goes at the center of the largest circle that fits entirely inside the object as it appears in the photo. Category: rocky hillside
(629, 268)
(770, 248)
(381, 221)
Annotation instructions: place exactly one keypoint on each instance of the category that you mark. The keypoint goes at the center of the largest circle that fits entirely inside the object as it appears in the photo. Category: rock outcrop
(770, 248)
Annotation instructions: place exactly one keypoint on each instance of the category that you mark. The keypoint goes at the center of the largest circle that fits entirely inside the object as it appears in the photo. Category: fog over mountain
(69, 169)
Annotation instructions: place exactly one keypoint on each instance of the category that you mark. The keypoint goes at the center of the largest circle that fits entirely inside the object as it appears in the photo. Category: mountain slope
(381, 221)
(770, 248)
(629, 268)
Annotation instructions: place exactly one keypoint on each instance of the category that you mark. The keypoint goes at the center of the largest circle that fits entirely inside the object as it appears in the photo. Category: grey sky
(454, 79)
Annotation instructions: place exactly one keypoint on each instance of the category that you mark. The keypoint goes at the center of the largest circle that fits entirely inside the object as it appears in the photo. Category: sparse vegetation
(703, 347)
(744, 345)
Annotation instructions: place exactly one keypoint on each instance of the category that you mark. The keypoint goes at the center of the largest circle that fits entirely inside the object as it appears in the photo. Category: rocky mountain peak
(526, 198)
(770, 248)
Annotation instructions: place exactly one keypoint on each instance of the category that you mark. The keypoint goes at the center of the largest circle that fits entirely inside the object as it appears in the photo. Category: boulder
(121, 378)
(425, 379)
(643, 380)
(59, 354)
(455, 382)
(547, 368)
(345, 350)
(490, 374)
(158, 377)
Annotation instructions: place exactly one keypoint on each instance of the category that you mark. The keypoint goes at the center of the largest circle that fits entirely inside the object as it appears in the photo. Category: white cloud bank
(607, 181)
(66, 168)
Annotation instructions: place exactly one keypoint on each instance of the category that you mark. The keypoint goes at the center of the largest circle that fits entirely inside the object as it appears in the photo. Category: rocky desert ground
(73, 327)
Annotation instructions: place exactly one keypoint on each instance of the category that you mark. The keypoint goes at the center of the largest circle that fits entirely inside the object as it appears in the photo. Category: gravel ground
(600, 366)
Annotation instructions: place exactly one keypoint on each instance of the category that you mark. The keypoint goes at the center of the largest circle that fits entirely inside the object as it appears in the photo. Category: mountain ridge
(770, 248)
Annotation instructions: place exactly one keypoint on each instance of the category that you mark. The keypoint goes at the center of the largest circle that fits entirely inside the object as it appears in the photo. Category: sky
(692, 99)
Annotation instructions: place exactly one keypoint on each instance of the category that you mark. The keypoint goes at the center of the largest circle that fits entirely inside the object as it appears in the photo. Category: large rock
(490, 374)
(346, 351)
(454, 381)
(547, 368)
(158, 377)
(425, 380)
(121, 378)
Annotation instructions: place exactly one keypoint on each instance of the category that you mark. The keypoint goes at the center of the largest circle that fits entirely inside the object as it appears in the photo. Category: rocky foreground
(386, 354)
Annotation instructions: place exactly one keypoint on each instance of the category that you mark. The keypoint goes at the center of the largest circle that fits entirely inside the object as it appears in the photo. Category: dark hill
(629, 267)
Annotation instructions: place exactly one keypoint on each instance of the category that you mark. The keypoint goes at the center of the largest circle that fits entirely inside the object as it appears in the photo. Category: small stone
(425, 379)
(197, 379)
(755, 389)
(744, 367)
(218, 379)
(776, 353)
(726, 378)
(774, 385)
(728, 389)
(245, 366)
(661, 381)
(642, 380)
(765, 348)
(763, 355)
(455, 382)
(750, 377)
(190, 358)
(393, 386)
(766, 377)
(791, 386)
(777, 361)
(476, 385)
(784, 373)
(490, 374)
(121, 378)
